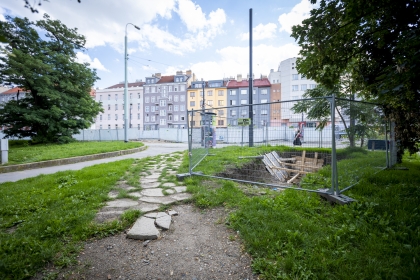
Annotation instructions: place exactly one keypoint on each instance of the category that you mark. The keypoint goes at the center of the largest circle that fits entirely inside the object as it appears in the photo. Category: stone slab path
(155, 193)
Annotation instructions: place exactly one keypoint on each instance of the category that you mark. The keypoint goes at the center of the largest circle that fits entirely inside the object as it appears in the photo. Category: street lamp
(126, 85)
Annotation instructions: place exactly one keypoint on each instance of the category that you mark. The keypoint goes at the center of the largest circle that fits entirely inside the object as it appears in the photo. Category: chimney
(239, 79)
(179, 72)
(158, 75)
(194, 78)
(188, 72)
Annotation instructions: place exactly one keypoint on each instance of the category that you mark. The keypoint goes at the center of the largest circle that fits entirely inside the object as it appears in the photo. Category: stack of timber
(291, 169)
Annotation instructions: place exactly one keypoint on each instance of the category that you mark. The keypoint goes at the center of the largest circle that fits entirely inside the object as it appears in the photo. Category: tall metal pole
(251, 115)
(126, 84)
(334, 175)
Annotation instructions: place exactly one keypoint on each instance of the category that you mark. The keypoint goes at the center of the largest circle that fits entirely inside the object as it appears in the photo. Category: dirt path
(197, 246)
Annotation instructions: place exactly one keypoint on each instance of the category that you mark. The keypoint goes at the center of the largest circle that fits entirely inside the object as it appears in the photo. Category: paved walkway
(154, 149)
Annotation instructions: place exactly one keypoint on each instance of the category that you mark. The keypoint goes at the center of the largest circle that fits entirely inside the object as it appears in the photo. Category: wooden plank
(299, 165)
(277, 158)
(291, 170)
(283, 174)
(269, 163)
(293, 178)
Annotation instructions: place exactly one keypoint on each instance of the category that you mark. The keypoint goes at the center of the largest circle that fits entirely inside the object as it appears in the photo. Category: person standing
(296, 141)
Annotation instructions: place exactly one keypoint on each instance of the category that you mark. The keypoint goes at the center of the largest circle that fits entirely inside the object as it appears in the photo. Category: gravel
(198, 245)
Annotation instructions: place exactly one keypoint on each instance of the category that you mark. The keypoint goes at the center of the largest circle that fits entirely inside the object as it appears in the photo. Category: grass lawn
(296, 235)
(43, 219)
(21, 152)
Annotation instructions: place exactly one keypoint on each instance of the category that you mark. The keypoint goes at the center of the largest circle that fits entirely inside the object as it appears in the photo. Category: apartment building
(112, 99)
(209, 95)
(165, 100)
(293, 86)
(10, 94)
(238, 94)
(275, 113)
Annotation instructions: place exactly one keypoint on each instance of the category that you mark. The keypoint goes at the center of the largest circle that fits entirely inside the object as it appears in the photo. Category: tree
(378, 42)
(58, 103)
(33, 8)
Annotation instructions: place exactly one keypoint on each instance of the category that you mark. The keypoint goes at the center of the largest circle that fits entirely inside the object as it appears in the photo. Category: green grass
(296, 235)
(45, 218)
(22, 152)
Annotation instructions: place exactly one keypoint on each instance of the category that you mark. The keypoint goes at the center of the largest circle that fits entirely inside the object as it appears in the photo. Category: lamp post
(126, 84)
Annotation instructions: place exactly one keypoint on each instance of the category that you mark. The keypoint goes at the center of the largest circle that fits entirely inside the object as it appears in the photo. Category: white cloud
(295, 17)
(234, 60)
(95, 63)
(261, 32)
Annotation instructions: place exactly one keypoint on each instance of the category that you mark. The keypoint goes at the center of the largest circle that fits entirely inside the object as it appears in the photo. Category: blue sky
(208, 37)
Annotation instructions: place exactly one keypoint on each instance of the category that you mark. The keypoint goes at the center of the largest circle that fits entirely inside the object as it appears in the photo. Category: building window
(138, 106)
(232, 92)
(264, 91)
(295, 87)
(138, 116)
(244, 112)
(312, 86)
(131, 95)
(220, 112)
(176, 108)
(162, 102)
(109, 116)
(109, 106)
(109, 126)
(162, 113)
(263, 100)
(176, 118)
(116, 107)
(100, 127)
(264, 112)
(243, 101)
(146, 109)
(232, 112)
(221, 103)
(295, 76)
(220, 93)
(100, 97)
(116, 116)
(303, 87)
(192, 103)
(244, 91)
(146, 100)
(176, 98)
(152, 108)
(302, 77)
(209, 93)
(162, 121)
(152, 99)
(232, 102)
(210, 102)
(182, 98)
(170, 108)
(182, 108)
(220, 122)
(192, 94)
(100, 117)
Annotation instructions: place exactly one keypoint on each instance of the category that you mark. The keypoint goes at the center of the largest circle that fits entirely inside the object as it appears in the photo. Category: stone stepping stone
(169, 184)
(164, 221)
(152, 192)
(121, 203)
(143, 180)
(150, 185)
(154, 215)
(143, 229)
(169, 191)
(146, 207)
(180, 189)
(153, 176)
(157, 199)
(172, 213)
(135, 194)
(180, 196)
(113, 194)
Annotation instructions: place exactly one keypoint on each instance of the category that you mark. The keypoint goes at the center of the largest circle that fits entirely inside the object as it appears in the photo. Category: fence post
(4, 144)
(190, 129)
(334, 175)
(83, 131)
(386, 145)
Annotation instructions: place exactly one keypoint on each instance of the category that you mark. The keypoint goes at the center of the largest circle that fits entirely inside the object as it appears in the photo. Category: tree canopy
(378, 43)
(41, 59)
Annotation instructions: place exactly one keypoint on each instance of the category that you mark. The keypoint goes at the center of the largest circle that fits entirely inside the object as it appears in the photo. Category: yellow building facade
(215, 98)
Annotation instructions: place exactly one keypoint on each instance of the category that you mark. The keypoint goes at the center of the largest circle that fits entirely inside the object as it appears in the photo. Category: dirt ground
(197, 246)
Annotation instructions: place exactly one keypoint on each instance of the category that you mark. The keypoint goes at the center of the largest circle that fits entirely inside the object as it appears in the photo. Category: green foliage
(296, 235)
(377, 43)
(57, 103)
(43, 219)
(22, 151)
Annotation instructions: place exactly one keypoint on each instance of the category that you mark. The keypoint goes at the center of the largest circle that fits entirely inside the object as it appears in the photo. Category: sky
(211, 38)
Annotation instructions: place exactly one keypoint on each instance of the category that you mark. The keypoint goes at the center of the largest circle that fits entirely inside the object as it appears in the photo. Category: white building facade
(112, 100)
(293, 86)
